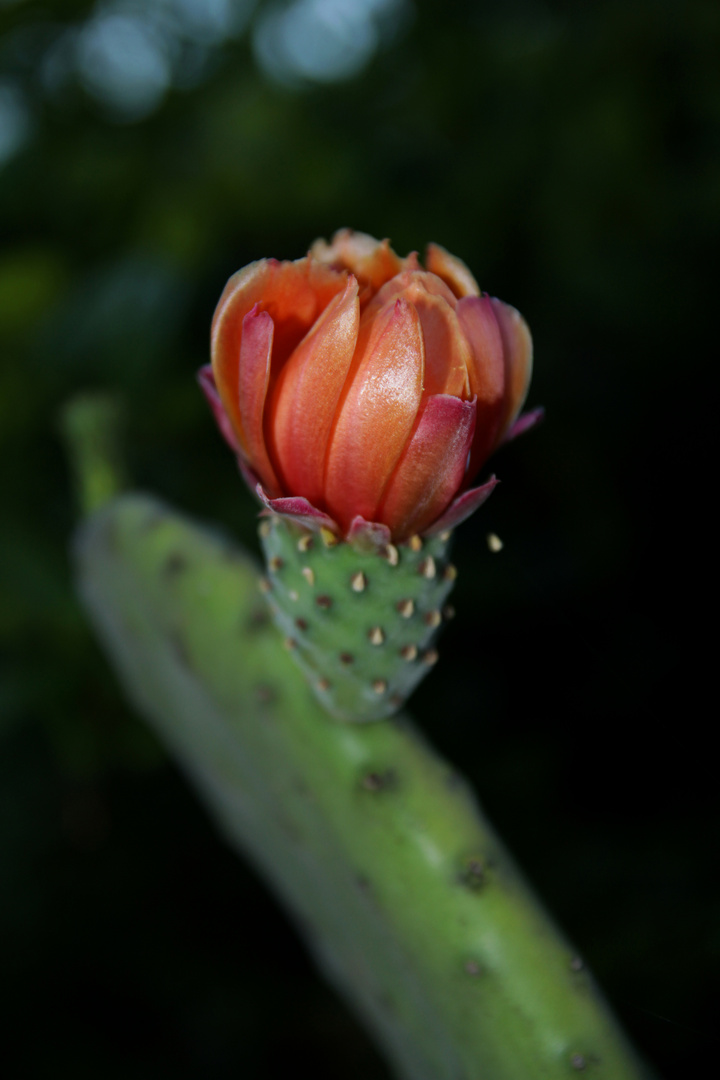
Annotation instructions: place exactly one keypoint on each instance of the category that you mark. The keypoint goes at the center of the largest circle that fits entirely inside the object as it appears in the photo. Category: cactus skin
(359, 624)
(407, 899)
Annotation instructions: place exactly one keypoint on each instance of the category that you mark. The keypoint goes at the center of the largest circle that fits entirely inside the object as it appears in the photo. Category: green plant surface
(403, 893)
(359, 623)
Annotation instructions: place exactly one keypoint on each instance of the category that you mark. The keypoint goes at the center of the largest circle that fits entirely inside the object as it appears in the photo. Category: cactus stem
(324, 602)
(275, 564)
(293, 595)
(301, 624)
(406, 608)
(376, 635)
(290, 643)
(309, 574)
(91, 426)
(264, 529)
(391, 843)
(346, 658)
(264, 585)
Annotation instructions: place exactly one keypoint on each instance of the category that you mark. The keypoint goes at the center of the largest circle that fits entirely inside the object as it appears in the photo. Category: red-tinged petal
(486, 371)
(452, 270)
(431, 467)
(206, 379)
(254, 374)
(248, 474)
(526, 422)
(373, 262)
(241, 293)
(518, 352)
(462, 507)
(294, 297)
(376, 413)
(241, 290)
(292, 293)
(297, 510)
(371, 537)
(306, 395)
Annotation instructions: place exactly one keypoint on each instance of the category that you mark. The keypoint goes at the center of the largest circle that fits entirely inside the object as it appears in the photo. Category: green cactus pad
(360, 624)
(406, 897)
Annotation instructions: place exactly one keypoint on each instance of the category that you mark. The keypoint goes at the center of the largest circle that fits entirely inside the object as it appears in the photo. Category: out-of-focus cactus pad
(407, 899)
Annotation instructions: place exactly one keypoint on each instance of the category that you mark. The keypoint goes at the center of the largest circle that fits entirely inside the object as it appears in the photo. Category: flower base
(360, 624)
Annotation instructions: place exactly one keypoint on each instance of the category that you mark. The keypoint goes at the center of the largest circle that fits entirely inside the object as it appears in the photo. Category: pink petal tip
(206, 379)
(462, 507)
(370, 537)
(298, 510)
(525, 423)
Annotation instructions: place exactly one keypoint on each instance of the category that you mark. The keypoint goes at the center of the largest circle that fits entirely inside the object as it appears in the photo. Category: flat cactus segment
(361, 625)
(410, 904)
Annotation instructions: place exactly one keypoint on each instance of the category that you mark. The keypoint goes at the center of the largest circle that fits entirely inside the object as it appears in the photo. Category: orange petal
(486, 370)
(518, 354)
(241, 293)
(408, 279)
(373, 262)
(253, 376)
(376, 413)
(295, 296)
(292, 293)
(307, 392)
(431, 467)
(447, 352)
(452, 270)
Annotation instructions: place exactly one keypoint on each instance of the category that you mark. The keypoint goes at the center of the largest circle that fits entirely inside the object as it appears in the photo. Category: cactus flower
(361, 392)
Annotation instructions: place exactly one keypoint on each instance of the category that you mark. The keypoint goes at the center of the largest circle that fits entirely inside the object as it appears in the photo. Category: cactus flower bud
(361, 392)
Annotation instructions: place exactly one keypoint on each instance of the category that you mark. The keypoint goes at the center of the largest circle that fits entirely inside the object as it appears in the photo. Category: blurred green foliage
(570, 154)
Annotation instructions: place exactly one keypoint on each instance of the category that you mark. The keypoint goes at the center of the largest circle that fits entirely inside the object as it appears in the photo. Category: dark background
(569, 153)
